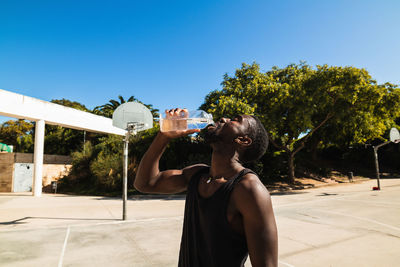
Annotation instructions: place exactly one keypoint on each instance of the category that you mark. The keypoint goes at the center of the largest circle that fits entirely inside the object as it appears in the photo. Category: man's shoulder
(249, 188)
(250, 181)
(192, 170)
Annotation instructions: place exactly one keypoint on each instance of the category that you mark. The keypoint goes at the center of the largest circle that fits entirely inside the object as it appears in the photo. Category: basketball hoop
(395, 138)
(132, 117)
(394, 135)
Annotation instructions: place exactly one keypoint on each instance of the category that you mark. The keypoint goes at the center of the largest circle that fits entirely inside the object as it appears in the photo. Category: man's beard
(210, 136)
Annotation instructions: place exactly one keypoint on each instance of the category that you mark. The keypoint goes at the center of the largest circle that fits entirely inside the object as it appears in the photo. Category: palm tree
(107, 110)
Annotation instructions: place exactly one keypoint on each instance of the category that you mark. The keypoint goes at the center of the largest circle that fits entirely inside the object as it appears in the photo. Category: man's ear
(243, 140)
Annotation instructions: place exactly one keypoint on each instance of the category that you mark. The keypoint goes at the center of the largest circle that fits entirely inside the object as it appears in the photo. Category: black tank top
(207, 238)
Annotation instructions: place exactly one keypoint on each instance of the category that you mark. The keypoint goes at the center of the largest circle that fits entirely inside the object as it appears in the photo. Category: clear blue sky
(172, 53)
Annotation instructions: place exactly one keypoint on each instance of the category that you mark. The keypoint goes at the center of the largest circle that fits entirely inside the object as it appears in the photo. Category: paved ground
(343, 225)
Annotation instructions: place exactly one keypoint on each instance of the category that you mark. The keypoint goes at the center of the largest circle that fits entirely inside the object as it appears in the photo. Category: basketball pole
(130, 129)
(131, 117)
(377, 162)
(125, 175)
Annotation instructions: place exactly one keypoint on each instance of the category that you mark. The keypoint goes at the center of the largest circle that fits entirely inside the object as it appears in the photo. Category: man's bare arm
(149, 179)
(254, 203)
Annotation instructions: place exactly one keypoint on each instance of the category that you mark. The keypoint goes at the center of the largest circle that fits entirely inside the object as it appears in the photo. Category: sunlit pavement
(341, 225)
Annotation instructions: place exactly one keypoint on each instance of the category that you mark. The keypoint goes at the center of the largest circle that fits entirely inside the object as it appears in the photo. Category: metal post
(377, 162)
(377, 166)
(125, 176)
(84, 141)
(350, 175)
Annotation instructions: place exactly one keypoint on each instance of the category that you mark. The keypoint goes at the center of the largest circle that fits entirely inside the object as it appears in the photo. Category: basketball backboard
(394, 135)
(133, 116)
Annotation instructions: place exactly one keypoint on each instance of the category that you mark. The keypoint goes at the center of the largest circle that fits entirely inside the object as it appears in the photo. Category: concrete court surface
(341, 225)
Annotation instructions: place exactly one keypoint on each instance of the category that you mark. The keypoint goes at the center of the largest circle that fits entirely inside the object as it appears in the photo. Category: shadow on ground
(21, 220)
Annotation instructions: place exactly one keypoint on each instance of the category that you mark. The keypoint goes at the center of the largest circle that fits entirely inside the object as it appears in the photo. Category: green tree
(297, 101)
(368, 115)
(15, 133)
(98, 167)
(60, 140)
(25, 143)
(71, 104)
(107, 109)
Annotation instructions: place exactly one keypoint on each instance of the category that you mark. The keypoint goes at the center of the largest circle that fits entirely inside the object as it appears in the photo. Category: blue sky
(173, 53)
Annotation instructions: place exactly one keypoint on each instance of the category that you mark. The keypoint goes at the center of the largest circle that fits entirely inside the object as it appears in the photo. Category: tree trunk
(314, 152)
(291, 168)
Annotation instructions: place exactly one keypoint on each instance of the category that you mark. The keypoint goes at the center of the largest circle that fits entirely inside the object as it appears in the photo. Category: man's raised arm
(149, 179)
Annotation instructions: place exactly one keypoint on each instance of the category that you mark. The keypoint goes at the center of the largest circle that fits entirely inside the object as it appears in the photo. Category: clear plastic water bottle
(186, 120)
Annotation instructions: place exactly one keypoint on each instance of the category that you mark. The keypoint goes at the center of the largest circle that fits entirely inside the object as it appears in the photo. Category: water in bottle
(186, 120)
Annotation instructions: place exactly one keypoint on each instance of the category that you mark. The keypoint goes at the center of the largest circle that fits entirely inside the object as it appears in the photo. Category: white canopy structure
(42, 112)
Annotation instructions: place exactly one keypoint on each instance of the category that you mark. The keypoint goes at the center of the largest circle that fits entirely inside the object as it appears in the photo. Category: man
(228, 211)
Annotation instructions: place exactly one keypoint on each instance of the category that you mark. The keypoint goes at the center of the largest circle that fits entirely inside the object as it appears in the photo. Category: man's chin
(209, 136)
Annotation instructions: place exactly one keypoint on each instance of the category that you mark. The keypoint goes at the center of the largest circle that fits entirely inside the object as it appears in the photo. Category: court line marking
(371, 202)
(117, 221)
(361, 219)
(298, 203)
(343, 196)
(309, 201)
(285, 263)
(130, 221)
(60, 262)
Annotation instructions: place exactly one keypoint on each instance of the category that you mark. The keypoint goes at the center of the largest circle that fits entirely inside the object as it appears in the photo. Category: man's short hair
(259, 144)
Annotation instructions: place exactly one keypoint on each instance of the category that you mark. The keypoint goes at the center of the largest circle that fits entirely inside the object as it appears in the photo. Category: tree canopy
(297, 101)
(17, 133)
(107, 109)
(71, 104)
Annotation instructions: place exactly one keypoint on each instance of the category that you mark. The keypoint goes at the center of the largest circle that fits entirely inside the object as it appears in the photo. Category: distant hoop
(394, 135)
(133, 116)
